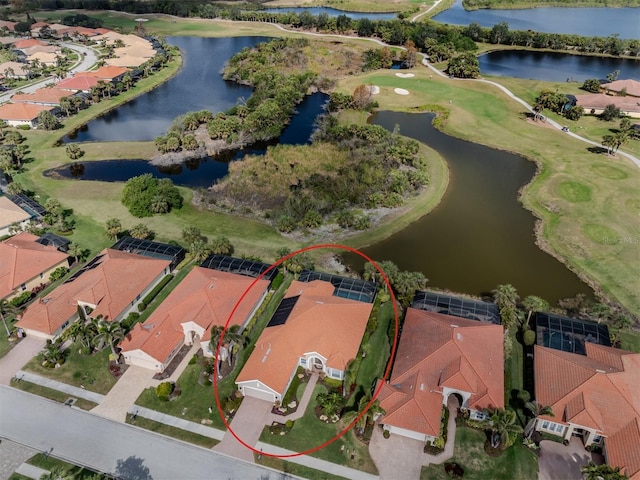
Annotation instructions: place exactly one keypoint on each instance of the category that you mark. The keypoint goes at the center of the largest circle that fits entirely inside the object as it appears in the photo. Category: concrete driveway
(247, 423)
(559, 462)
(124, 393)
(18, 357)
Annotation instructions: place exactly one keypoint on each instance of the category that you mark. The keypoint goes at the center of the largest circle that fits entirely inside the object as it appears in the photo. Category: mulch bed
(174, 363)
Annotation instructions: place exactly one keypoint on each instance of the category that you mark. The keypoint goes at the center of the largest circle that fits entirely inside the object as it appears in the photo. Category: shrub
(277, 281)
(130, 320)
(58, 273)
(439, 442)
(21, 299)
(529, 337)
(142, 307)
(156, 290)
(164, 390)
(193, 360)
(386, 434)
(289, 424)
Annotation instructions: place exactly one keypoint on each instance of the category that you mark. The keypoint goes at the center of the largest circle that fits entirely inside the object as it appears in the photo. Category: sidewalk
(61, 387)
(177, 422)
(31, 471)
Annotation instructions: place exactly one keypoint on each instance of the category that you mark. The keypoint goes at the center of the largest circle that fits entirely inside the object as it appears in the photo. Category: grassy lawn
(309, 432)
(294, 469)
(70, 471)
(90, 371)
(516, 462)
(629, 340)
(173, 432)
(51, 394)
(595, 235)
(5, 344)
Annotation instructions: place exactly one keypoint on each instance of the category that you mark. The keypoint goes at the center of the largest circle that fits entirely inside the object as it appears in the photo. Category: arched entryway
(316, 364)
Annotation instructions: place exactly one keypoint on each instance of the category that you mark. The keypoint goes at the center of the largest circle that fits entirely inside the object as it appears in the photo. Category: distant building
(11, 215)
(627, 87)
(22, 113)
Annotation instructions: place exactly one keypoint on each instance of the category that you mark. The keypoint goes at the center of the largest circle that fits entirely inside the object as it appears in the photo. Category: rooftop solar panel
(283, 311)
(457, 306)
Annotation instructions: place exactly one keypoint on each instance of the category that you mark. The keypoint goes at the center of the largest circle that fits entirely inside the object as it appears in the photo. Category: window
(303, 362)
(559, 428)
(597, 439)
(545, 425)
(335, 373)
(41, 274)
(23, 287)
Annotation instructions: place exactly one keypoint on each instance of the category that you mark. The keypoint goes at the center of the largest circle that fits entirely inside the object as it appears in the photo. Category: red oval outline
(375, 393)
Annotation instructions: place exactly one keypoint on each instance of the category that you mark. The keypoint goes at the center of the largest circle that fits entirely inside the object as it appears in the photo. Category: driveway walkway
(61, 387)
(562, 462)
(124, 393)
(248, 423)
(12, 455)
(18, 357)
(399, 457)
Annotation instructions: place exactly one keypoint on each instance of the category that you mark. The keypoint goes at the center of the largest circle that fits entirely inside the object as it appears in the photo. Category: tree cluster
(557, 102)
(145, 195)
(81, 20)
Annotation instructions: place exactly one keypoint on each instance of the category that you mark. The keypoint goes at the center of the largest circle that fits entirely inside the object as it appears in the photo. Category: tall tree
(502, 423)
(506, 297)
(113, 228)
(536, 410)
(109, 333)
(534, 304)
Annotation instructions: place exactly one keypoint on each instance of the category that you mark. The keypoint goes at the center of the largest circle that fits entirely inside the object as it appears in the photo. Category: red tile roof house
(594, 396)
(439, 356)
(25, 264)
(322, 332)
(204, 299)
(11, 215)
(111, 285)
(42, 96)
(107, 73)
(625, 87)
(29, 42)
(77, 83)
(22, 113)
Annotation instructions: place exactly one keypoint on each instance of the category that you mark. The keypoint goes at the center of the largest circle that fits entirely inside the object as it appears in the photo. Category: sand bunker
(405, 75)
(401, 91)
(373, 89)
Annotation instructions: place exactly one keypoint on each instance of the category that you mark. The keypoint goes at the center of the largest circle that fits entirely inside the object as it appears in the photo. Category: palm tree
(350, 374)
(140, 231)
(506, 297)
(75, 250)
(113, 228)
(109, 333)
(52, 354)
(502, 423)
(331, 403)
(536, 410)
(234, 339)
(199, 250)
(534, 304)
(83, 333)
(56, 473)
(591, 471)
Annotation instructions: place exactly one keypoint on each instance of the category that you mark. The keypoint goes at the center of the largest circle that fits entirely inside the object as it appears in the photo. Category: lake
(332, 12)
(198, 172)
(590, 22)
(479, 236)
(197, 86)
(553, 66)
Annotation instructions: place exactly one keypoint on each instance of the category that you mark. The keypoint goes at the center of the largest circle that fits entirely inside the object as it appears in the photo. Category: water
(590, 22)
(199, 172)
(332, 12)
(479, 236)
(198, 86)
(555, 67)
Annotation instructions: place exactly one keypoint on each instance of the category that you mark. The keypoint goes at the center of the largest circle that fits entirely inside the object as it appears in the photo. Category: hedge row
(154, 293)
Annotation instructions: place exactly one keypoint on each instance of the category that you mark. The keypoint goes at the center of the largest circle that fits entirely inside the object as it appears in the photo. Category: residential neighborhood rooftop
(569, 334)
(240, 266)
(457, 306)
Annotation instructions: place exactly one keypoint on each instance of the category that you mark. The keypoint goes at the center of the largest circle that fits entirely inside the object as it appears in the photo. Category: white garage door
(257, 393)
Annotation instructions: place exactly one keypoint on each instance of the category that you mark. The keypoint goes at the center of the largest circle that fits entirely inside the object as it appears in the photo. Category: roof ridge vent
(600, 371)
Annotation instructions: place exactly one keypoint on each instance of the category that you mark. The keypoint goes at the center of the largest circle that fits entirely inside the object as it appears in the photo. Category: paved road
(128, 452)
(84, 63)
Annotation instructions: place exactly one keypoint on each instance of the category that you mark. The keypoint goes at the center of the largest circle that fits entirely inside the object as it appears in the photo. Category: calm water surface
(590, 22)
(198, 86)
(332, 12)
(479, 236)
(555, 67)
(200, 172)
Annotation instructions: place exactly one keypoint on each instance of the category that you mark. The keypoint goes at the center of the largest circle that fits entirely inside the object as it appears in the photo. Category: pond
(198, 86)
(555, 67)
(198, 172)
(479, 236)
(590, 22)
(332, 12)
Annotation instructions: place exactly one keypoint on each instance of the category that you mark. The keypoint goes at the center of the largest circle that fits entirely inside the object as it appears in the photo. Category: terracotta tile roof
(90, 32)
(42, 95)
(9, 25)
(112, 284)
(78, 82)
(11, 213)
(105, 73)
(319, 322)
(600, 100)
(30, 42)
(47, 58)
(623, 448)
(599, 390)
(632, 87)
(41, 48)
(22, 111)
(437, 351)
(206, 297)
(39, 25)
(102, 31)
(17, 67)
(23, 259)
